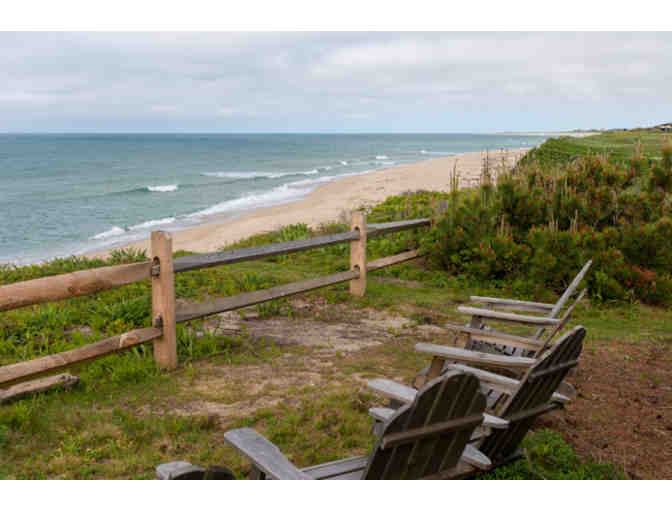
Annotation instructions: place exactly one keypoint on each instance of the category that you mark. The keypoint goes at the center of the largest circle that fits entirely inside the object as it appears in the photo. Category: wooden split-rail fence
(165, 314)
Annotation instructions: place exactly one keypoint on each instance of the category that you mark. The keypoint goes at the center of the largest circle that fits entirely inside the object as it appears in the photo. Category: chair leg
(257, 474)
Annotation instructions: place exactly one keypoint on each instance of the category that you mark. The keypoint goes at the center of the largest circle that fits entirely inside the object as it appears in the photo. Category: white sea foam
(381, 156)
(438, 152)
(114, 231)
(152, 223)
(277, 195)
(164, 188)
(256, 175)
(344, 163)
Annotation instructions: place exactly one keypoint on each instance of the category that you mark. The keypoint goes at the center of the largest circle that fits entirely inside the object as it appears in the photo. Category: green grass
(618, 144)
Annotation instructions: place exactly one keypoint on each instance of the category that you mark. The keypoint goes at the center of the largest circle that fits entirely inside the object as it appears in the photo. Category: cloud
(332, 81)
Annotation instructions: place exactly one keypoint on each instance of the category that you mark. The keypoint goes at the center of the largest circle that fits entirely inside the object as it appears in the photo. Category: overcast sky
(333, 82)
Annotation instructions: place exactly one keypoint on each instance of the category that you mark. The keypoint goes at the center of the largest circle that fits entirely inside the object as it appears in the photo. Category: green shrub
(542, 224)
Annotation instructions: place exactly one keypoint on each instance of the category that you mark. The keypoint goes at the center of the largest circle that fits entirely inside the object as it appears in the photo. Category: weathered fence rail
(161, 269)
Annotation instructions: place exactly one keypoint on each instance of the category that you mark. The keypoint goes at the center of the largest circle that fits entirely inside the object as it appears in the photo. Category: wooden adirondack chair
(524, 399)
(497, 309)
(427, 438)
(484, 339)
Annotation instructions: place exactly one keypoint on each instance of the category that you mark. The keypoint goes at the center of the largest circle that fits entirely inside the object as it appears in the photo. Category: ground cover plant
(248, 368)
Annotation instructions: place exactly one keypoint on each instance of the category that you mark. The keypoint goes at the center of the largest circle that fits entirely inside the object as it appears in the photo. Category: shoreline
(331, 201)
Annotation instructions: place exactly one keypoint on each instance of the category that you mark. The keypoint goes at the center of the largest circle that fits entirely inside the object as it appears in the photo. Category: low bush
(541, 225)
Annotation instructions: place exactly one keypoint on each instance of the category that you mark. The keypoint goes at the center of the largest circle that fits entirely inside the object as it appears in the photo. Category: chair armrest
(500, 381)
(393, 390)
(381, 413)
(513, 304)
(560, 398)
(494, 422)
(528, 320)
(495, 337)
(264, 455)
(474, 457)
(479, 358)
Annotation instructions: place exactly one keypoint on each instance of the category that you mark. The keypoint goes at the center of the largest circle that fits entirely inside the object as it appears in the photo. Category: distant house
(667, 128)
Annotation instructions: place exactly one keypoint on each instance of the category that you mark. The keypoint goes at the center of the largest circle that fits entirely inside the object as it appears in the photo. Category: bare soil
(623, 413)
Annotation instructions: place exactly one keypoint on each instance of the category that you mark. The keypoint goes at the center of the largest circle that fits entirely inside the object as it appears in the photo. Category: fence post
(163, 300)
(358, 253)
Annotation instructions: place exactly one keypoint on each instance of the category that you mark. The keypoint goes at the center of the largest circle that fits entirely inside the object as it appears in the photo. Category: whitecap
(164, 188)
(277, 195)
(344, 163)
(256, 175)
(152, 223)
(114, 231)
(381, 156)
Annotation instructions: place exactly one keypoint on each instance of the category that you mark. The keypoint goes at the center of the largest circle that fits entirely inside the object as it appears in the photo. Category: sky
(476, 82)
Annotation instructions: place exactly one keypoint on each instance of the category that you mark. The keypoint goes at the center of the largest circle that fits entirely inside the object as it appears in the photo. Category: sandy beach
(332, 200)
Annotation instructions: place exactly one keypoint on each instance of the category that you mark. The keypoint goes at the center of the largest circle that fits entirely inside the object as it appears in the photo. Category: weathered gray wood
(508, 317)
(163, 300)
(358, 254)
(392, 389)
(392, 259)
(385, 413)
(534, 396)
(264, 455)
(561, 324)
(205, 260)
(186, 312)
(500, 380)
(490, 336)
(381, 413)
(455, 353)
(494, 422)
(514, 304)
(474, 457)
(11, 374)
(64, 286)
(337, 468)
(555, 368)
(520, 350)
(31, 387)
(378, 229)
(411, 451)
(427, 438)
(570, 289)
(531, 413)
(411, 436)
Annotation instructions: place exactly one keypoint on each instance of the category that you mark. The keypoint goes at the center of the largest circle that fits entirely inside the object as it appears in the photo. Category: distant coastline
(331, 201)
(77, 194)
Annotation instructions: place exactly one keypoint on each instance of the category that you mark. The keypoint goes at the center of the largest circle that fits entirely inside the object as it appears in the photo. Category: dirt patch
(363, 329)
(623, 413)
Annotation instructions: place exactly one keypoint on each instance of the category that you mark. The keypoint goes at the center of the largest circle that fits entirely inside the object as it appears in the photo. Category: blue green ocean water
(64, 194)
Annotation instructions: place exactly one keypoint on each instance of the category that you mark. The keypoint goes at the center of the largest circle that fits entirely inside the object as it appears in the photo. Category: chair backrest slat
(565, 296)
(534, 392)
(553, 314)
(429, 435)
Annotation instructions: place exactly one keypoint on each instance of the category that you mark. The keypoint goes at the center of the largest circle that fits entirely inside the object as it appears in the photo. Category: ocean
(69, 194)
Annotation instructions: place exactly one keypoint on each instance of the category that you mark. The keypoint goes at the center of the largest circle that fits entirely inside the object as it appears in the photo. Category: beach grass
(619, 144)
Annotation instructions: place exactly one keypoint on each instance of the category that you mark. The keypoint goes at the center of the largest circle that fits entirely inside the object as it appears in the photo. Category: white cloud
(311, 81)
